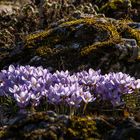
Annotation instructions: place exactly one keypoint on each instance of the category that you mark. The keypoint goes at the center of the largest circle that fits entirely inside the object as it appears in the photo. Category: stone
(35, 59)
(134, 25)
(51, 113)
(127, 129)
(128, 49)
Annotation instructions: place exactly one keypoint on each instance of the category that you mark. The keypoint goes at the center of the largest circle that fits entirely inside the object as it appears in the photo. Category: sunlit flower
(28, 85)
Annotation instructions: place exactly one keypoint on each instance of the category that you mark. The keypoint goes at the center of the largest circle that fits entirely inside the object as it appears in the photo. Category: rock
(63, 118)
(15, 120)
(59, 46)
(77, 14)
(34, 59)
(37, 125)
(128, 49)
(137, 117)
(116, 8)
(104, 126)
(51, 119)
(86, 39)
(125, 130)
(29, 127)
(134, 25)
(53, 128)
(75, 45)
(17, 49)
(51, 113)
(8, 8)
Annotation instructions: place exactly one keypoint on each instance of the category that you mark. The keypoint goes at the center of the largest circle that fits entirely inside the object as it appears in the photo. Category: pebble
(51, 113)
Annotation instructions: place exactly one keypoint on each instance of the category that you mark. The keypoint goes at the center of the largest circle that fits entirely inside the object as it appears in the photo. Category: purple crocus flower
(21, 94)
(29, 84)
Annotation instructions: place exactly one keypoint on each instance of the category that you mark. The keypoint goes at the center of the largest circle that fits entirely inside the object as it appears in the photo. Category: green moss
(106, 31)
(44, 51)
(2, 133)
(113, 39)
(94, 39)
(132, 101)
(127, 32)
(32, 127)
(82, 128)
(135, 2)
(41, 133)
(133, 33)
(32, 37)
(114, 5)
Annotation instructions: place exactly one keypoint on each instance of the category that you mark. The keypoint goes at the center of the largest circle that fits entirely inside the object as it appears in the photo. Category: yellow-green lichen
(128, 32)
(115, 5)
(107, 34)
(44, 51)
(132, 101)
(79, 42)
(2, 133)
(114, 38)
(82, 127)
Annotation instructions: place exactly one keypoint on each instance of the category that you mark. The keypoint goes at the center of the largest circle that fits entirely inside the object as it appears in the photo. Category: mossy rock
(82, 128)
(32, 126)
(128, 32)
(81, 44)
(77, 31)
(116, 5)
(119, 9)
(40, 125)
(68, 45)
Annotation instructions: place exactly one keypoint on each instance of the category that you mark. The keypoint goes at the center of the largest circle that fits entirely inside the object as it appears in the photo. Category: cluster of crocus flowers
(28, 85)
